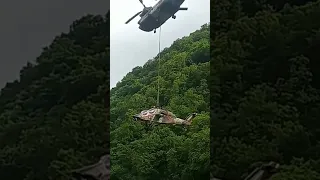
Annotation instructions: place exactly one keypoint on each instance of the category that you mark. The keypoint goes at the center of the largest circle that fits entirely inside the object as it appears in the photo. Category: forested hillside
(265, 87)
(164, 152)
(53, 119)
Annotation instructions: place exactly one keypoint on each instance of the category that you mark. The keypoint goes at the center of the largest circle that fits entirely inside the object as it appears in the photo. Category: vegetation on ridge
(53, 119)
(265, 88)
(164, 152)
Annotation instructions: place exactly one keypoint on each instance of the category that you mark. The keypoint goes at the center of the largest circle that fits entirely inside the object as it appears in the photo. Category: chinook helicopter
(152, 18)
(161, 116)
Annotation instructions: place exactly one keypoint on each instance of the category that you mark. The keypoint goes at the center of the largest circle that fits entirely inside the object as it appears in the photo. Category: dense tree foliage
(53, 119)
(164, 152)
(265, 88)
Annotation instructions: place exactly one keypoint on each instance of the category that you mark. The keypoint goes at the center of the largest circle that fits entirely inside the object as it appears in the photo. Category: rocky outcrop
(263, 172)
(98, 171)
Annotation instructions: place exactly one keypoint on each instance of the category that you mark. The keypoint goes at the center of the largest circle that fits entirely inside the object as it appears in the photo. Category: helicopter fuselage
(159, 14)
(168, 120)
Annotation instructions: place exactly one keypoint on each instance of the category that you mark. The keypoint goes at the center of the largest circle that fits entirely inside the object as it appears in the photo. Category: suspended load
(152, 18)
(161, 116)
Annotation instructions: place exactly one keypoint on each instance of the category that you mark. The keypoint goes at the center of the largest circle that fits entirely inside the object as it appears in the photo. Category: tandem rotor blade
(142, 3)
(133, 17)
(183, 8)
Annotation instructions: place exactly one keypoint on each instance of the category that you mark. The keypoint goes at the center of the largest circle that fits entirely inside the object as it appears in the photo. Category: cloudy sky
(27, 26)
(131, 47)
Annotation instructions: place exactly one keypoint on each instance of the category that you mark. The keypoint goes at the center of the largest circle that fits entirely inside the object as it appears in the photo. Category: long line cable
(159, 58)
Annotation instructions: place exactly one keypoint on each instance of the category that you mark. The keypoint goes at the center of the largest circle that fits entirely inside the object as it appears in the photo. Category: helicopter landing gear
(149, 125)
(174, 17)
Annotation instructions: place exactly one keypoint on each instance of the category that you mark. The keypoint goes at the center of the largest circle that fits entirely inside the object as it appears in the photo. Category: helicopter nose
(143, 28)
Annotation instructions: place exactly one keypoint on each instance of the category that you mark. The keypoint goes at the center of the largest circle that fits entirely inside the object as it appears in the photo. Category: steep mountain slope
(265, 91)
(164, 152)
(53, 119)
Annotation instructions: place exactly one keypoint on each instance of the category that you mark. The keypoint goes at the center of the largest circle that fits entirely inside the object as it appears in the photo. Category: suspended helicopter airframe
(152, 18)
(161, 116)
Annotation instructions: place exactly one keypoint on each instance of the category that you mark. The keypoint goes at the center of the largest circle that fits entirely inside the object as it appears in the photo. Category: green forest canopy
(265, 87)
(164, 152)
(53, 119)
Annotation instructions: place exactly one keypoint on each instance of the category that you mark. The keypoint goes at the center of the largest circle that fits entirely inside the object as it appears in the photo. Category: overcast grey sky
(27, 26)
(131, 47)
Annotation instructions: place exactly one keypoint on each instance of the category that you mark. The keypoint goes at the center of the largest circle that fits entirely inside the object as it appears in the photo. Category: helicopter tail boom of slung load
(191, 117)
(186, 121)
